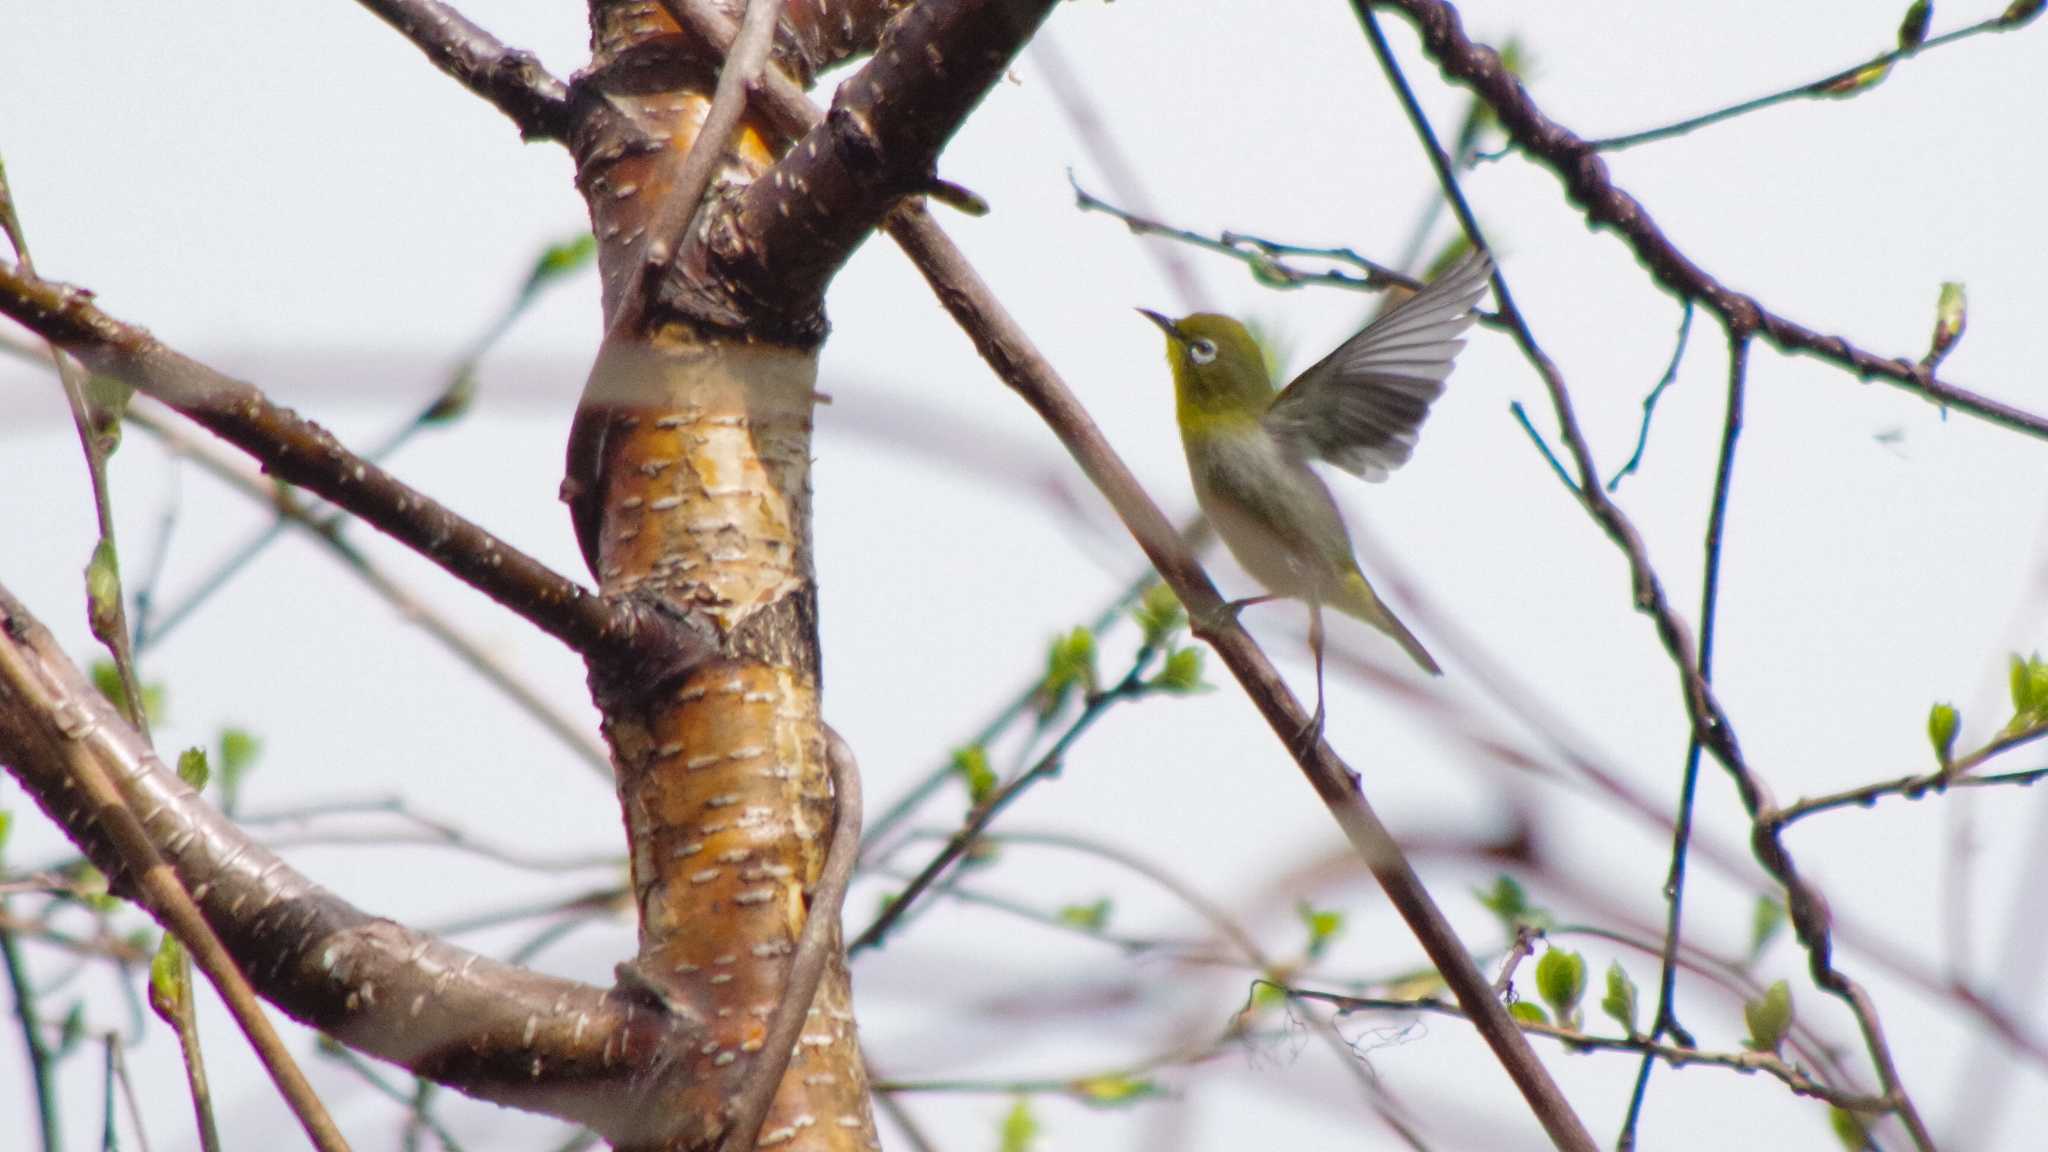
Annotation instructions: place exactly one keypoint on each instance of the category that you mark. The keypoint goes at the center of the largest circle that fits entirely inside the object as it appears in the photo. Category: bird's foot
(1225, 615)
(1311, 733)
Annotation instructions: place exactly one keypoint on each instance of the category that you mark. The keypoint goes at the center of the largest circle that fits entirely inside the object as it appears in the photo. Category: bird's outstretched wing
(1361, 406)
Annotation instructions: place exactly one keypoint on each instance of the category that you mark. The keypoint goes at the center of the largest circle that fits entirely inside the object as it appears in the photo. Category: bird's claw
(1311, 733)
(1225, 615)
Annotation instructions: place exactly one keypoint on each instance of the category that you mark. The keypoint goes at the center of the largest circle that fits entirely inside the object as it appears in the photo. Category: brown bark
(689, 484)
(487, 1028)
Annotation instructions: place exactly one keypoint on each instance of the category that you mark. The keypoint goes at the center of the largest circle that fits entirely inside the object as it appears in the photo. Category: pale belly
(1267, 510)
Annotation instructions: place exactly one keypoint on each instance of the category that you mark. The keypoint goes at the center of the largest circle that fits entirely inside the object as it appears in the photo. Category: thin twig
(573, 732)
(1445, 42)
(168, 899)
(1847, 81)
(1666, 1022)
(42, 1062)
(1084, 118)
(1665, 381)
(302, 453)
(107, 605)
(1130, 687)
(453, 398)
(1025, 370)
(1604, 204)
(1906, 787)
(180, 1012)
(1678, 1056)
(513, 81)
(814, 948)
(692, 178)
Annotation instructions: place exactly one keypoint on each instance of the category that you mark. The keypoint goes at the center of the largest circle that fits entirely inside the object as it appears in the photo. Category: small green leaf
(1020, 1128)
(971, 765)
(1323, 926)
(1848, 1128)
(1088, 917)
(1507, 901)
(1863, 79)
(239, 749)
(103, 590)
(1266, 994)
(73, 1030)
(106, 404)
(1766, 920)
(6, 826)
(1182, 673)
(107, 679)
(1159, 615)
(2020, 11)
(1561, 981)
(1114, 1091)
(1769, 1018)
(1951, 316)
(1069, 665)
(1942, 722)
(455, 399)
(91, 887)
(1620, 1001)
(192, 768)
(560, 259)
(168, 982)
(1528, 1012)
(2020, 678)
(1913, 29)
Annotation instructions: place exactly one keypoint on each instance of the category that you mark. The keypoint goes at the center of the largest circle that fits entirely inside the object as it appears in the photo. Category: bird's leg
(1313, 730)
(1227, 612)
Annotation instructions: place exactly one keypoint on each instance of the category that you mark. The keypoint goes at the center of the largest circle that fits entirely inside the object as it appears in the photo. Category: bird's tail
(1356, 598)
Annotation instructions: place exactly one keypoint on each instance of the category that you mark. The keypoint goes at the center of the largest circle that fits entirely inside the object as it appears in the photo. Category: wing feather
(1362, 406)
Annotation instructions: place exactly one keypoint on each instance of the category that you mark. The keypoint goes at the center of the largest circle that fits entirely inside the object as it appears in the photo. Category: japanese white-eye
(1360, 408)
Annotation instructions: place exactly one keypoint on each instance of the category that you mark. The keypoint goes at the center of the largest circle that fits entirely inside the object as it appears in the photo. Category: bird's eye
(1202, 351)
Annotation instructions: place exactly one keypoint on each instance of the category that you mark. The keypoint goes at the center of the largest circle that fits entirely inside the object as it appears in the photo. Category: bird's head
(1218, 367)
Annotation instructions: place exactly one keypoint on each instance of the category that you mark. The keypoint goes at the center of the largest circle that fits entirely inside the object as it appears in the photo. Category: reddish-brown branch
(769, 256)
(616, 632)
(1021, 366)
(483, 1027)
(1711, 725)
(512, 80)
(1577, 162)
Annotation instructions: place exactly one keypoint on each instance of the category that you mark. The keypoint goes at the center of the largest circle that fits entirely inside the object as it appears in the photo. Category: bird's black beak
(1165, 325)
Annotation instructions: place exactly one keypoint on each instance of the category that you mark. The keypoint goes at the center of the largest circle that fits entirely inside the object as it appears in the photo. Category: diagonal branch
(1578, 164)
(488, 1029)
(1019, 364)
(296, 450)
(1710, 723)
(511, 79)
(771, 254)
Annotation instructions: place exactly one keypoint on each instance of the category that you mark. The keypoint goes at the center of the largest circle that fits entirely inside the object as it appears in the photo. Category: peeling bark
(485, 1028)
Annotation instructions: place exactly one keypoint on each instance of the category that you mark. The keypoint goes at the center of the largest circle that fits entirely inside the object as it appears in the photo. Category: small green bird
(1359, 408)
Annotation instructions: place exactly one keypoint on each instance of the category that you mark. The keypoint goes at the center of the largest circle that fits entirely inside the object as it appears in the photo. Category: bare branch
(37, 696)
(1021, 366)
(1710, 724)
(1577, 163)
(1844, 82)
(1678, 1056)
(670, 227)
(487, 1029)
(512, 80)
(296, 450)
(770, 257)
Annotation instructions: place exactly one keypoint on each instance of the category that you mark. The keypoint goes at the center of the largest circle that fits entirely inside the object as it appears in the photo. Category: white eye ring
(1202, 351)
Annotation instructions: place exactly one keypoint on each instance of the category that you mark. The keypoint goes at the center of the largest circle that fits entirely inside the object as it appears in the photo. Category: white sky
(294, 194)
